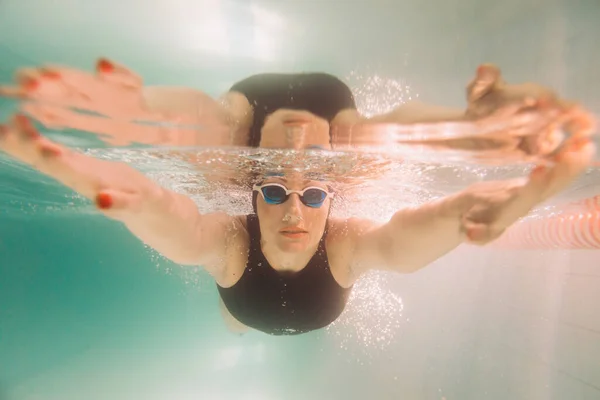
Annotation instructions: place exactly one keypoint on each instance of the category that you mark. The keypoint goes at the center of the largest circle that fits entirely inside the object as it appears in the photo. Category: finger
(30, 82)
(573, 159)
(25, 129)
(480, 234)
(580, 123)
(13, 91)
(28, 78)
(115, 73)
(52, 117)
(487, 78)
(50, 149)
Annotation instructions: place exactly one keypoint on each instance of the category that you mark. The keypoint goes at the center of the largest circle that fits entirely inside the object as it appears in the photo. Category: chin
(293, 247)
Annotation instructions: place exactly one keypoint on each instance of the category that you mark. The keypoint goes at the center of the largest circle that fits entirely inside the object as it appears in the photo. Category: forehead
(294, 181)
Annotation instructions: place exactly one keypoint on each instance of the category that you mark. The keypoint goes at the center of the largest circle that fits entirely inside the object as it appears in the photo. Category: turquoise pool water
(87, 312)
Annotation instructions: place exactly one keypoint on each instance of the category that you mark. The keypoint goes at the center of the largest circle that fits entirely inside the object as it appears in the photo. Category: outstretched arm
(487, 93)
(167, 221)
(192, 117)
(414, 238)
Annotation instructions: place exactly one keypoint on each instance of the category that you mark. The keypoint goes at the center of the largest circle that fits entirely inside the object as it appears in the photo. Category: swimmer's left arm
(412, 239)
(415, 237)
(486, 94)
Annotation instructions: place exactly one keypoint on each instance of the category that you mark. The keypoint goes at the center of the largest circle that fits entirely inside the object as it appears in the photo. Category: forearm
(166, 221)
(408, 113)
(169, 223)
(417, 112)
(419, 236)
(344, 125)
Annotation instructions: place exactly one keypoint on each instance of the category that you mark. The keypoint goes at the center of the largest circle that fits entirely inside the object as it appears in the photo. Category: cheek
(269, 216)
(317, 219)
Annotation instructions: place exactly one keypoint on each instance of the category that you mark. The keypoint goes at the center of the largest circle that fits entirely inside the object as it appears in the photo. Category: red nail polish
(24, 123)
(104, 201)
(105, 66)
(30, 84)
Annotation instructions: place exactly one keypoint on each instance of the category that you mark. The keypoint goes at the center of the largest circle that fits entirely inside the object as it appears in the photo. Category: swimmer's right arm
(166, 221)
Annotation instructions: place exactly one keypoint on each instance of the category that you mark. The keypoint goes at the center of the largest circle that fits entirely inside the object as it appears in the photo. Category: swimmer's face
(278, 222)
(294, 129)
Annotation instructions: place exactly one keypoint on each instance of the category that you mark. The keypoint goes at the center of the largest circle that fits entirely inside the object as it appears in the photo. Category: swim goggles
(276, 193)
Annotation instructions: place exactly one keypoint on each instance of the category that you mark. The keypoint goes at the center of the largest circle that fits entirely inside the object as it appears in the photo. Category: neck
(291, 262)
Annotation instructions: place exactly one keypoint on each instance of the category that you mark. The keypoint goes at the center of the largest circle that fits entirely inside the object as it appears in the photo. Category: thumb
(487, 78)
(480, 234)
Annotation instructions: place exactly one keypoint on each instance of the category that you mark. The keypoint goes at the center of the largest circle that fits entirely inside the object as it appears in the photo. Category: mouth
(293, 233)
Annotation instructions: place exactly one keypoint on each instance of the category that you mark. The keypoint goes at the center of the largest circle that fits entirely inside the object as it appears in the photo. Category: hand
(116, 132)
(117, 189)
(488, 208)
(527, 110)
(113, 90)
(54, 96)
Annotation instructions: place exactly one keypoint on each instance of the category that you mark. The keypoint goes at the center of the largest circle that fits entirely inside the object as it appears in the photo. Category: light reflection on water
(370, 185)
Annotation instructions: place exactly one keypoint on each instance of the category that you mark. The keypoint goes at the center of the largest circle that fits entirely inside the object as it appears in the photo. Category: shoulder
(234, 250)
(349, 228)
(343, 239)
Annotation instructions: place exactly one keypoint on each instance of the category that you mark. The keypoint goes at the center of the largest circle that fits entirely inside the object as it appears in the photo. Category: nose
(294, 206)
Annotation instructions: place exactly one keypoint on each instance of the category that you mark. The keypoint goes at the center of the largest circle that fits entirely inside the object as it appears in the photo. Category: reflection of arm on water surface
(288, 267)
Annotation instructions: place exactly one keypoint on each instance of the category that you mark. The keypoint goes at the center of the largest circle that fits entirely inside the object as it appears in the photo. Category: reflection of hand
(117, 132)
(54, 96)
(113, 90)
(488, 208)
(530, 108)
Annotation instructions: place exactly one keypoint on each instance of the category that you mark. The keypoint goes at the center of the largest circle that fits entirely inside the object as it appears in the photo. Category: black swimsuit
(284, 303)
(323, 95)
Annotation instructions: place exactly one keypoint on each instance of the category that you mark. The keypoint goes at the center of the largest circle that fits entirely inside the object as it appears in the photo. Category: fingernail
(104, 201)
(105, 66)
(30, 84)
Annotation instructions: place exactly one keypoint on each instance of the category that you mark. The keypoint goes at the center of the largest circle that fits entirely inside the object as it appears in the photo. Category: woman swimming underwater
(289, 267)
